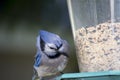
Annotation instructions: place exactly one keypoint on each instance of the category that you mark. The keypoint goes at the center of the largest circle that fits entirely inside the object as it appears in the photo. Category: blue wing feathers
(37, 60)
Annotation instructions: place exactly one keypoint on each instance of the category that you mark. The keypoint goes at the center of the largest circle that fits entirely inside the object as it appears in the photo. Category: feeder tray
(103, 75)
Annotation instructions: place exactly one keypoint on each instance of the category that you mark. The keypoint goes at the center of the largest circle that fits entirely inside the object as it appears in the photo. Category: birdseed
(98, 47)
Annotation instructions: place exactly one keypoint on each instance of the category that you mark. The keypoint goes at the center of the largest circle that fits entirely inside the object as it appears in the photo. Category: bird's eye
(52, 48)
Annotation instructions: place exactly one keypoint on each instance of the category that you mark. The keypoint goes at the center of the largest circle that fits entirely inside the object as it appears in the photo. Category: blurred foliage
(22, 18)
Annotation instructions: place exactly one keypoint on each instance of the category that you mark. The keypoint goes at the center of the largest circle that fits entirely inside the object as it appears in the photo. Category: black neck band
(53, 56)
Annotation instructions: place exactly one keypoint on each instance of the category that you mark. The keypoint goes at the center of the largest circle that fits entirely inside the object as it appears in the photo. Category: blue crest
(49, 37)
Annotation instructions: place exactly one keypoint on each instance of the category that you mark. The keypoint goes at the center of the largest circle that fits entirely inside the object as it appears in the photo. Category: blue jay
(51, 57)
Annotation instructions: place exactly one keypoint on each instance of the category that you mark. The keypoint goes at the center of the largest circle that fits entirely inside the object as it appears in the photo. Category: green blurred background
(20, 21)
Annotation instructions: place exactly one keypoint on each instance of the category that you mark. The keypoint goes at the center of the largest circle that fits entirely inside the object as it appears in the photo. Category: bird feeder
(96, 30)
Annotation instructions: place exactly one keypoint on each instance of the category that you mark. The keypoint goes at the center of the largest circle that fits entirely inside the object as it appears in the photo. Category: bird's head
(52, 45)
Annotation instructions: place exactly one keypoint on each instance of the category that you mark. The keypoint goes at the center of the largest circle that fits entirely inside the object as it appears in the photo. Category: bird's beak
(63, 53)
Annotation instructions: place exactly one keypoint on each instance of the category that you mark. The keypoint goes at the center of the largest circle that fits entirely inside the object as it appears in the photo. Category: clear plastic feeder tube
(96, 30)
